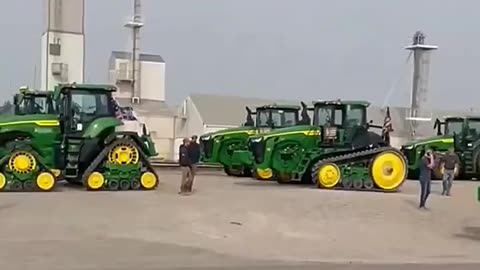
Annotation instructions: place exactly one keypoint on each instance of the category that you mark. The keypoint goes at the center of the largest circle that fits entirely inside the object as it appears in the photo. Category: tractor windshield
(453, 126)
(88, 105)
(32, 104)
(338, 115)
(276, 118)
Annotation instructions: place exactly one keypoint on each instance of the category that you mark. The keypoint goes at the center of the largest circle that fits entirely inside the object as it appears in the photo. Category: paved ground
(234, 223)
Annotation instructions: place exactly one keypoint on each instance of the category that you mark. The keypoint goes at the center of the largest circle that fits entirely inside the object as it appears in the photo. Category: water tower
(63, 43)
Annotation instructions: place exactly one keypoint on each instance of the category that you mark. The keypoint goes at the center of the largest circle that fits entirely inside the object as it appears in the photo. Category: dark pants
(424, 190)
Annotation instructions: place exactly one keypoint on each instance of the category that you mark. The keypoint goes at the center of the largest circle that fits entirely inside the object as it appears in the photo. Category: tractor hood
(307, 129)
(38, 119)
(430, 140)
(229, 131)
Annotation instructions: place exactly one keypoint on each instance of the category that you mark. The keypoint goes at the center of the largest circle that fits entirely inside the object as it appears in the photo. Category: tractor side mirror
(438, 127)
(144, 130)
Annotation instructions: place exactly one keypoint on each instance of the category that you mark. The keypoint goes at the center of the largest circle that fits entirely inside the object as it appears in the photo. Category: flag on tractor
(387, 126)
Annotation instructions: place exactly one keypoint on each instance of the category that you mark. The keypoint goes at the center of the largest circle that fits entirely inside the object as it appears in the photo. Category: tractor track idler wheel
(124, 185)
(368, 183)
(113, 185)
(28, 185)
(135, 184)
(16, 186)
(357, 183)
(347, 183)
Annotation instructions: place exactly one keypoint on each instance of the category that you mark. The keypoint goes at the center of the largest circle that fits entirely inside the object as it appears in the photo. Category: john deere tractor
(460, 125)
(218, 147)
(337, 151)
(80, 144)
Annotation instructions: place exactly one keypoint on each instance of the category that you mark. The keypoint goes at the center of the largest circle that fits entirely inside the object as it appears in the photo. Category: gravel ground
(238, 223)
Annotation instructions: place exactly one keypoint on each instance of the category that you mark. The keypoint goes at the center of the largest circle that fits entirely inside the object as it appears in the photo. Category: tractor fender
(126, 134)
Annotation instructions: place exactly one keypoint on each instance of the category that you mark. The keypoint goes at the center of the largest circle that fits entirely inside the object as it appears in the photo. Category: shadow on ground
(470, 233)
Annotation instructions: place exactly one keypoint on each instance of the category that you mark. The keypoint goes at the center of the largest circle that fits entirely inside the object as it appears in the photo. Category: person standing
(450, 162)
(426, 165)
(194, 154)
(185, 165)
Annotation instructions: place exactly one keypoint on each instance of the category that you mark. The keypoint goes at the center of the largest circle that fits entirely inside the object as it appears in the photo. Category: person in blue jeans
(426, 165)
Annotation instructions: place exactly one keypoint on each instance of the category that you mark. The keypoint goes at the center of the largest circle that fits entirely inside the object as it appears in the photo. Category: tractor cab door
(81, 107)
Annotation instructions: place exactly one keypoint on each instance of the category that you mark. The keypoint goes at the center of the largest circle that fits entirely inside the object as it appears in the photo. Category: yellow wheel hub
(3, 181)
(264, 174)
(148, 180)
(45, 181)
(123, 154)
(328, 175)
(388, 170)
(95, 181)
(22, 162)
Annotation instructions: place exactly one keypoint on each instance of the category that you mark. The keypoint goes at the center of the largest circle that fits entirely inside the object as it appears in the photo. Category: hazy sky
(308, 49)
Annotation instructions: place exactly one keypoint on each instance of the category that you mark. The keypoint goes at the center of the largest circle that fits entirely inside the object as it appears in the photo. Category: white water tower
(63, 43)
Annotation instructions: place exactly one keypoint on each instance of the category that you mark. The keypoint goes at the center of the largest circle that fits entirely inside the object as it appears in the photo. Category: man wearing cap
(426, 165)
(185, 165)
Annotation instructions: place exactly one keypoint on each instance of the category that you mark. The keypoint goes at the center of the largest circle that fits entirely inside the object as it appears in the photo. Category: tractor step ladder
(72, 157)
(468, 159)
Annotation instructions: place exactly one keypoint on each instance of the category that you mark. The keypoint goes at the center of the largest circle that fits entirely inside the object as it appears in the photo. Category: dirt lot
(234, 221)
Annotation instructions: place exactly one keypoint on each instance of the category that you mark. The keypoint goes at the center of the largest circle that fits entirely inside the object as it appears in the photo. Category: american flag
(387, 126)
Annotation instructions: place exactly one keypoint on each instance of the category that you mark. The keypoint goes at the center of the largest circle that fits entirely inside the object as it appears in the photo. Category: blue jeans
(425, 183)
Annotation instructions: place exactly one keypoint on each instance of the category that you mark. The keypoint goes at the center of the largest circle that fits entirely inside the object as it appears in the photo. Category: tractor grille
(258, 150)
(206, 146)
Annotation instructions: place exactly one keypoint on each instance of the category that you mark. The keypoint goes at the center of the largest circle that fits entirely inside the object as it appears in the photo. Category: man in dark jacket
(194, 154)
(426, 165)
(185, 165)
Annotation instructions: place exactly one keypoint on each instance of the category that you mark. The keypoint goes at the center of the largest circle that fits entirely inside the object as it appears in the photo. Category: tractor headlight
(206, 138)
(408, 147)
(469, 144)
(256, 140)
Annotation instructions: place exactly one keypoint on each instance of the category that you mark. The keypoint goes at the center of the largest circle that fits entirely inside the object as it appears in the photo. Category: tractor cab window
(356, 116)
(474, 127)
(328, 115)
(35, 105)
(87, 105)
(276, 118)
(453, 126)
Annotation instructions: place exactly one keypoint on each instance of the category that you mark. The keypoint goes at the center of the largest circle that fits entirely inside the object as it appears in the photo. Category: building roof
(148, 107)
(230, 111)
(144, 57)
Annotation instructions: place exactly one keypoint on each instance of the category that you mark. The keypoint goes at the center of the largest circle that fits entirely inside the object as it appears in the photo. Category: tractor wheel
(28, 185)
(388, 169)
(327, 175)
(135, 185)
(148, 180)
(368, 183)
(124, 185)
(358, 183)
(16, 185)
(3, 181)
(45, 181)
(95, 181)
(113, 185)
(347, 183)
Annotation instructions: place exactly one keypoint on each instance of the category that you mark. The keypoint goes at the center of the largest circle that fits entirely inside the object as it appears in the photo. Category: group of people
(450, 160)
(189, 157)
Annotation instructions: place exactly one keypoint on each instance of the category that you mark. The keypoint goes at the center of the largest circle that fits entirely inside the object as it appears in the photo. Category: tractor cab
(464, 130)
(79, 107)
(344, 123)
(275, 116)
(33, 102)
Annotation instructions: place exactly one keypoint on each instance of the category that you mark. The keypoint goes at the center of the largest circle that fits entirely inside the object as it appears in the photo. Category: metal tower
(63, 43)
(135, 24)
(421, 69)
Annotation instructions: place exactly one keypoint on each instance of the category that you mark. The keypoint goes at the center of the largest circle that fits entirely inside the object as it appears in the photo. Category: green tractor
(460, 125)
(337, 151)
(466, 143)
(80, 144)
(219, 147)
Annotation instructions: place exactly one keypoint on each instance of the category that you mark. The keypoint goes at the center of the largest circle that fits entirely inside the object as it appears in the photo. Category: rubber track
(353, 157)
(94, 165)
